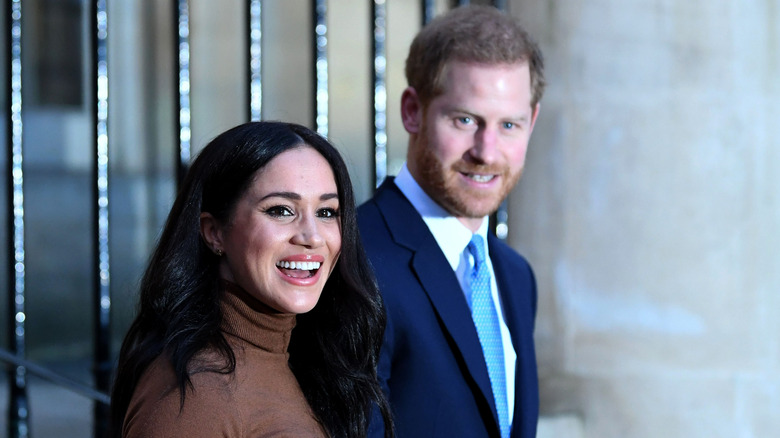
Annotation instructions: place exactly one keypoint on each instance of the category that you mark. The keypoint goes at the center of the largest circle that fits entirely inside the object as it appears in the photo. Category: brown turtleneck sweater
(261, 398)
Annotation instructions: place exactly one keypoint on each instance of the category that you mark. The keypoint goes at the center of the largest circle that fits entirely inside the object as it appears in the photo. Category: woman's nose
(308, 233)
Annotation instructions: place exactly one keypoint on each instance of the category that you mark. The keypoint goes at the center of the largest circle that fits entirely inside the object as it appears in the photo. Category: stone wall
(649, 209)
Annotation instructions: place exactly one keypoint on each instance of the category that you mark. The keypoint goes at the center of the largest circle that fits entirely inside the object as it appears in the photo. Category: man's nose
(485, 149)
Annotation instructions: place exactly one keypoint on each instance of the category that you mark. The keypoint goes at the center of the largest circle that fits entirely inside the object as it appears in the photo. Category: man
(458, 358)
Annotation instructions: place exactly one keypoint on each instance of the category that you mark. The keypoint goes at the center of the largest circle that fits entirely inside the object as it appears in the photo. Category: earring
(219, 253)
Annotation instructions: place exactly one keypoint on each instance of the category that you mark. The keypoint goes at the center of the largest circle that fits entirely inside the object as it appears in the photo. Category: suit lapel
(437, 280)
(510, 300)
(504, 282)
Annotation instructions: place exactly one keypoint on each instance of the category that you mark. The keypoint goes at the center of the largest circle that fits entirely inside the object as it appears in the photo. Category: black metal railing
(254, 14)
(18, 406)
(101, 293)
(379, 91)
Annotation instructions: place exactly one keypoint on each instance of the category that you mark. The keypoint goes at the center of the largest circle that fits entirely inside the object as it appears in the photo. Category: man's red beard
(459, 200)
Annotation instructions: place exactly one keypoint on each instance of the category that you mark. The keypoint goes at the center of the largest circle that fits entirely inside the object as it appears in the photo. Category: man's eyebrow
(518, 118)
(522, 118)
(457, 109)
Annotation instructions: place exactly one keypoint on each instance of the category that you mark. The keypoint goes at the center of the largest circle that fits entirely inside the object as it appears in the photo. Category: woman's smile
(297, 268)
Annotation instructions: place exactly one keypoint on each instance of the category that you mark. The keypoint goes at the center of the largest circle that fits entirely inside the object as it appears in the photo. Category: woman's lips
(300, 270)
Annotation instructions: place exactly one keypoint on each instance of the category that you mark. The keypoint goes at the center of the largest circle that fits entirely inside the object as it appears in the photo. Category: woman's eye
(278, 211)
(327, 213)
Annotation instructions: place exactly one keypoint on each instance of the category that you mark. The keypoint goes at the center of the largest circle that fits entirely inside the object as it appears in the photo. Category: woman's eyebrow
(297, 197)
(286, 195)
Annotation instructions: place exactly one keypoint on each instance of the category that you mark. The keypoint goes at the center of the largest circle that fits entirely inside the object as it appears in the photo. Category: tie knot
(477, 248)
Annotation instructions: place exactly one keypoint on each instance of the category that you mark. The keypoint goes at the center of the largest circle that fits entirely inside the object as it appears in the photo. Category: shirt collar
(451, 235)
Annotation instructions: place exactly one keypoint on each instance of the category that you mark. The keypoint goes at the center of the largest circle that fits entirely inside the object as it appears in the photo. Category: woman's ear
(211, 233)
(411, 110)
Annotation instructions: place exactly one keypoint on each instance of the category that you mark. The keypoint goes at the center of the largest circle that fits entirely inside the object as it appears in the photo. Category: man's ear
(211, 233)
(411, 111)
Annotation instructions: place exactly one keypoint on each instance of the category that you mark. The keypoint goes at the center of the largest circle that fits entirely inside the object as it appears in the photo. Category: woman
(262, 230)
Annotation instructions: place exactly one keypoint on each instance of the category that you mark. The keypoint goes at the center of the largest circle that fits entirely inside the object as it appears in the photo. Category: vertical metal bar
(428, 11)
(18, 408)
(254, 17)
(102, 294)
(320, 9)
(500, 221)
(182, 14)
(379, 107)
(502, 215)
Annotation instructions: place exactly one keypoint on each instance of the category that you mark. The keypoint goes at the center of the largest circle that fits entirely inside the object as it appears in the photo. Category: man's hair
(472, 34)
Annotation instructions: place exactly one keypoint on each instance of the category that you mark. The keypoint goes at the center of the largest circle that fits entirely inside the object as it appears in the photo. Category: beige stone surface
(650, 209)
(216, 47)
(560, 426)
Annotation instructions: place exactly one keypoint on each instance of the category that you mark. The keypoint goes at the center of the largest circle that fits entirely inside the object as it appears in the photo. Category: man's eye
(327, 213)
(278, 211)
(464, 120)
(508, 125)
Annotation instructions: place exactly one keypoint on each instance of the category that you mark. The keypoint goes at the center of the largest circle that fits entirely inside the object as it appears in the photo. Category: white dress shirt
(453, 238)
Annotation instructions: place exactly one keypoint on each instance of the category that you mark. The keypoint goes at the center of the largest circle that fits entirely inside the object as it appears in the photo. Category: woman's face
(284, 236)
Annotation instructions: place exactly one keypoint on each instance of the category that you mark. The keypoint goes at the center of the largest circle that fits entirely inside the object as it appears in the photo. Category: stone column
(650, 211)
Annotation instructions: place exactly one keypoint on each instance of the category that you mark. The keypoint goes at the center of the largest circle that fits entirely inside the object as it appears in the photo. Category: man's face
(467, 148)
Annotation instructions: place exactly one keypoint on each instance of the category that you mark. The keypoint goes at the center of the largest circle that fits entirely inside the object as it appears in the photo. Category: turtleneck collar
(247, 318)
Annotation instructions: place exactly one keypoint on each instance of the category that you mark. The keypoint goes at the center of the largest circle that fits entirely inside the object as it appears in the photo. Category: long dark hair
(333, 349)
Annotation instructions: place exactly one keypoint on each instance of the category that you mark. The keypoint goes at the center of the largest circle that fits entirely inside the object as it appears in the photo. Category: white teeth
(481, 178)
(303, 266)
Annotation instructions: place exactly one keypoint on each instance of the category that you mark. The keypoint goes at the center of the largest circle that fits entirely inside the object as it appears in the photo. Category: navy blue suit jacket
(431, 364)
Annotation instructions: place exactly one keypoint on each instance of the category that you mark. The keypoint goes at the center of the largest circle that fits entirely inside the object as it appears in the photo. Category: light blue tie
(483, 311)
